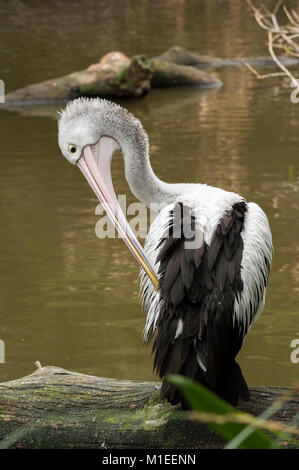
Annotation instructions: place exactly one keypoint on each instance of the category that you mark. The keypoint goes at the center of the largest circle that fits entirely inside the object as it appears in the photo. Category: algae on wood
(115, 75)
(56, 408)
(118, 76)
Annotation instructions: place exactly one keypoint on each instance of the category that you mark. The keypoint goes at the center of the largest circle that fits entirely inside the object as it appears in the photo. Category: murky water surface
(70, 299)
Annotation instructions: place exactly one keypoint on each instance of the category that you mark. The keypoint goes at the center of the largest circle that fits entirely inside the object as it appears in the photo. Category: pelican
(201, 288)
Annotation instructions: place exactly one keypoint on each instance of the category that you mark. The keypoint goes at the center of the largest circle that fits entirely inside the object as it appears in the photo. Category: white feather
(257, 249)
(209, 204)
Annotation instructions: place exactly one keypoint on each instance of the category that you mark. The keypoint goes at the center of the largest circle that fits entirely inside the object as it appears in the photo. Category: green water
(70, 299)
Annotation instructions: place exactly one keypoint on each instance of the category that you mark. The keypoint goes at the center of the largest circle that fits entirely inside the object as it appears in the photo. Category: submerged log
(179, 55)
(115, 75)
(167, 74)
(118, 76)
(56, 408)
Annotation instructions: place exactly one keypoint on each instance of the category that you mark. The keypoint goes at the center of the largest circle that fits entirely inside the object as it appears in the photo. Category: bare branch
(261, 77)
(279, 37)
(280, 65)
(290, 17)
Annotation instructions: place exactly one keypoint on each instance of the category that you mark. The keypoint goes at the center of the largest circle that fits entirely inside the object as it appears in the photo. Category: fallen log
(57, 408)
(115, 75)
(180, 56)
(118, 76)
(167, 74)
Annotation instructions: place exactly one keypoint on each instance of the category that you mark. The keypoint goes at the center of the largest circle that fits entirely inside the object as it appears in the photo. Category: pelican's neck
(143, 182)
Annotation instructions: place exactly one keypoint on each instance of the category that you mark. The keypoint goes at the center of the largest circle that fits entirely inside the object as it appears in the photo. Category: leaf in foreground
(205, 401)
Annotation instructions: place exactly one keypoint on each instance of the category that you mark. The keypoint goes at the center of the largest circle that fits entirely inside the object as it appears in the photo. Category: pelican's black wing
(196, 332)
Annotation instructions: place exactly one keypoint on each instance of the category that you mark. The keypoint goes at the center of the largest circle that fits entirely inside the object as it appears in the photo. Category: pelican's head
(75, 133)
(89, 132)
(83, 122)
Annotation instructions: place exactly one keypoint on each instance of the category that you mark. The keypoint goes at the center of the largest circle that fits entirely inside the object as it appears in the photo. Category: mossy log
(167, 74)
(115, 75)
(118, 76)
(56, 408)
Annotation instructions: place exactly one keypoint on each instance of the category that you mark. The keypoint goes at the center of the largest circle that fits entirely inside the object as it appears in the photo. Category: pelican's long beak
(95, 164)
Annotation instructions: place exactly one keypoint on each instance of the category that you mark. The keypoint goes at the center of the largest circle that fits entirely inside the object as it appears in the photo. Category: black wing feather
(199, 286)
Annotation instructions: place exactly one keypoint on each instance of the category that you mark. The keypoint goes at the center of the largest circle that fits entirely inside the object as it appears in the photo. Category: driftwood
(119, 76)
(115, 75)
(56, 408)
(167, 74)
(180, 56)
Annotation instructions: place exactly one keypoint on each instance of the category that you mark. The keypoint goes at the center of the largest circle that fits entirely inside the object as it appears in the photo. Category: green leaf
(203, 400)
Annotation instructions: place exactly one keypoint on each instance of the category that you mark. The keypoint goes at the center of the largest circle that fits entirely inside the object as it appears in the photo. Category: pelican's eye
(72, 148)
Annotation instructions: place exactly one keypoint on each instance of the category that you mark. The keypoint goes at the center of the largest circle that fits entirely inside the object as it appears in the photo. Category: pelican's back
(210, 292)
